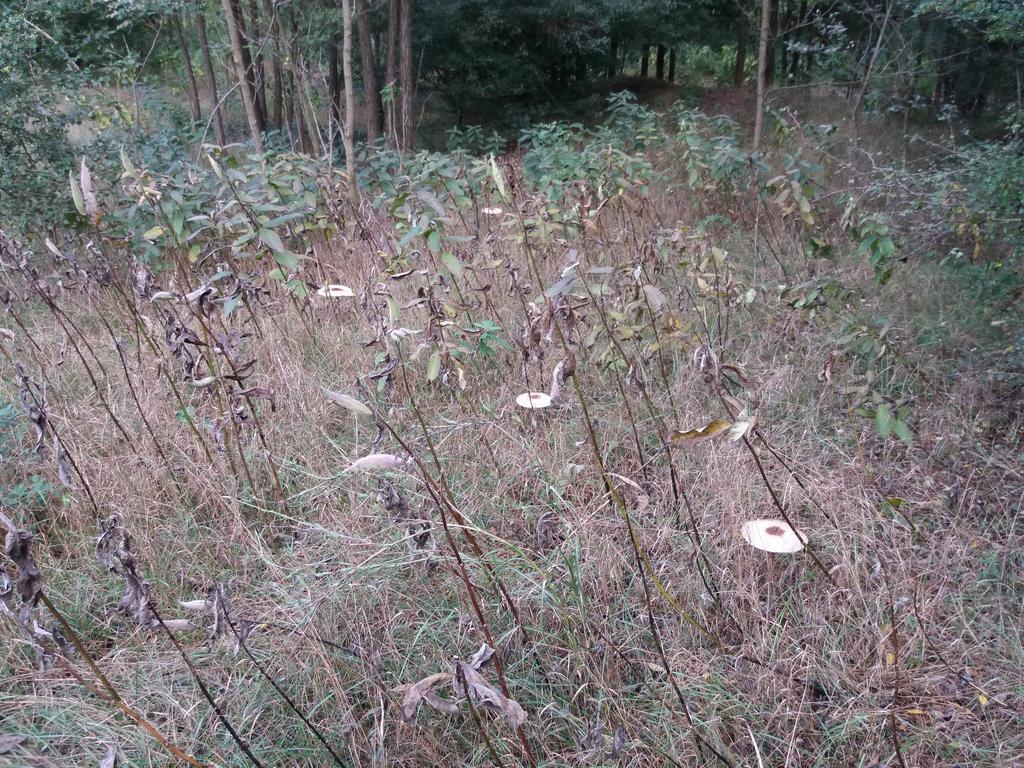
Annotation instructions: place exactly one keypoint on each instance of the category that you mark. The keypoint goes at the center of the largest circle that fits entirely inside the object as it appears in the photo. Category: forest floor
(593, 546)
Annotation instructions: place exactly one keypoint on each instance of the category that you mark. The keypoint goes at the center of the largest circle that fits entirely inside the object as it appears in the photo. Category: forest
(406, 383)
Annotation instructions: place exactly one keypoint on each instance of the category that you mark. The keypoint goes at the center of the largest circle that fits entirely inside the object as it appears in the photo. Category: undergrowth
(265, 446)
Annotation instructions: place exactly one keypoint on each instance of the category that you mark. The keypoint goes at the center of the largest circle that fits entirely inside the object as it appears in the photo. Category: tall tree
(797, 35)
(390, 77)
(869, 68)
(350, 100)
(238, 19)
(302, 127)
(334, 82)
(274, 30)
(773, 40)
(645, 60)
(762, 71)
(371, 94)
(659, 63)
(211, 76)
(408, 85)
(258, 72)
(742, 40)
(238, 54)
(193, 88)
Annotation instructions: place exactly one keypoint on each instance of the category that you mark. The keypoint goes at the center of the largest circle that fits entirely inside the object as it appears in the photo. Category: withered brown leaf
(474, 686)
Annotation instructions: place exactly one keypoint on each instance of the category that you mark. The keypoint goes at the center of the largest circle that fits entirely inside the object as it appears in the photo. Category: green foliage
(473, 140)
(61, 65)
(717, 65)
(975, 207)
(875, 240)
(185, 216)
(708, 149)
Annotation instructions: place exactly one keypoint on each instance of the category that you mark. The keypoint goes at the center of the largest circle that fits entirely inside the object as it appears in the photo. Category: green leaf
(153, 233)
(347, 402)
(884, 420)
(285, 218)
(288, 260)
(129, 167)
(272, 240)
(903, 431)
(434, 366)
(451, 261)
(231, 304)
(76, 193)
(707, 432)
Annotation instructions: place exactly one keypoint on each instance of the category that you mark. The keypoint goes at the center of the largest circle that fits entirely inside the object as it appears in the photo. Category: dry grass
(808, 670)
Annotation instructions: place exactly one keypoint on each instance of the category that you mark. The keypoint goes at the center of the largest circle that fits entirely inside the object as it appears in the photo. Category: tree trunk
(371, 93)
(742, 39)
(193, 88)
(405, 65)
(334, 84)
(773, 37)
(274, 30)
(672, 66)
(783, 41)
(258, 72)
(350, 100)
(645, 60)
(390, 108)
(794, 60)
(858, 100)
(237, 52)
(613, 59)
(762, 71)
(250, 73)
(211, 77)
(659, 63)
(304, 120)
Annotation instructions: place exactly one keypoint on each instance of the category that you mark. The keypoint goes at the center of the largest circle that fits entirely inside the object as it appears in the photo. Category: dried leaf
(18, 546)
(441, 705)
(707, 432)
(655, 298)
(482, 693)
(220, 613)
(114, 551)
(346, 402)
(482, 656)
(417, 692)
(618, 742)
(64, 467)
(743, 427)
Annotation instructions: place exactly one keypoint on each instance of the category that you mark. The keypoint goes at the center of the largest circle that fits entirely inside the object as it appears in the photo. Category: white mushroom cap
(336, 291)
(534, 400)
(773, 536)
